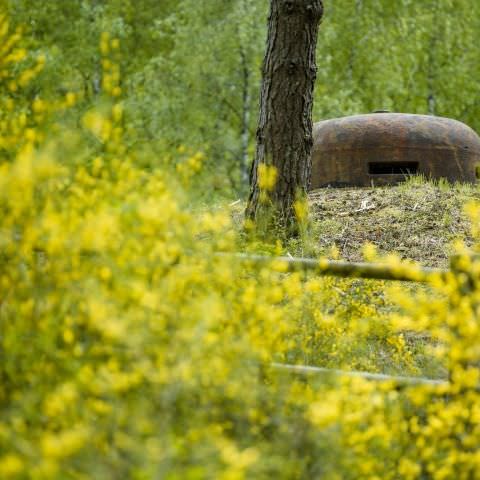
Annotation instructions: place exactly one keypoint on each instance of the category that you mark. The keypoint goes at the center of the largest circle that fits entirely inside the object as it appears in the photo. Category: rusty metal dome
(386, 148)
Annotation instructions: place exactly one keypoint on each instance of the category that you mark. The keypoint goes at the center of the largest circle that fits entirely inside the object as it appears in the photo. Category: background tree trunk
(284, 134)
(245, 118)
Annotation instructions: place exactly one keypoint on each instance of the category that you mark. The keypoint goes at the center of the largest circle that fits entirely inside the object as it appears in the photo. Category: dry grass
(419, 220)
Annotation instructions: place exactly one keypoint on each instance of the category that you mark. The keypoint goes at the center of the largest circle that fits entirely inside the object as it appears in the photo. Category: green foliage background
(191, 70)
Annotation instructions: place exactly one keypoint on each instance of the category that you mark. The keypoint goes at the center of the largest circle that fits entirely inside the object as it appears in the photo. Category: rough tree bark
(284, 134)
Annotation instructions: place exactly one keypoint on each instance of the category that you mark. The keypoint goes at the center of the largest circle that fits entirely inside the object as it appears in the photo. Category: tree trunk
(284, 134)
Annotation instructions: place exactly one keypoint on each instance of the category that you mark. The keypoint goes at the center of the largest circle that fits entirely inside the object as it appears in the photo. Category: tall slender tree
(284, 135)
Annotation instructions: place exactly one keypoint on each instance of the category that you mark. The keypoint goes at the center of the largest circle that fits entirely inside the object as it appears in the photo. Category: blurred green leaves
(191, 70)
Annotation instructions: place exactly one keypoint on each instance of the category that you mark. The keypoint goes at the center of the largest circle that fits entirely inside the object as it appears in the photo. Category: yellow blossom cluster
(109, 48)
(267, 177)
(18, 118)
(132, 345)
(119, 324)
(189, 164)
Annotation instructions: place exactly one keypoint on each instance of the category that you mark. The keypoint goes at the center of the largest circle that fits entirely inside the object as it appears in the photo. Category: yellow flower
(117, 112)
(70, 99)
(267, 176)
(301, 209)
(10, 466)
(66, 443)
(324, 414)
(115, 44)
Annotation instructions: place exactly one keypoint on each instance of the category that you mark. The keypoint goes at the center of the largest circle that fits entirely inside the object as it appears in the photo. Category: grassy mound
(419, 220)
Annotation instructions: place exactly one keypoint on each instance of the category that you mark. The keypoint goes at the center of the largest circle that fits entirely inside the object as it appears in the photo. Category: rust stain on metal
(386, 148)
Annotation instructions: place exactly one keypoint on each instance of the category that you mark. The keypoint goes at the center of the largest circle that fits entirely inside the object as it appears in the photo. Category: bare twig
(374, 271)
(308, 370)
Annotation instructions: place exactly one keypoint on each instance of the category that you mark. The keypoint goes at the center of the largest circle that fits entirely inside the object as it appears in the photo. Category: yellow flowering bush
(19, 117)
(117, 322)
(130, 347)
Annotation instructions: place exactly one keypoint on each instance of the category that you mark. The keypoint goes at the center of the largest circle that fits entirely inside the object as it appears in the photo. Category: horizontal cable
(308, 370)
(374, 271)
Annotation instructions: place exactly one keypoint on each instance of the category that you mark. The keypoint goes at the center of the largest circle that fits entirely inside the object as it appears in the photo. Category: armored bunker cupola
(386, 148)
